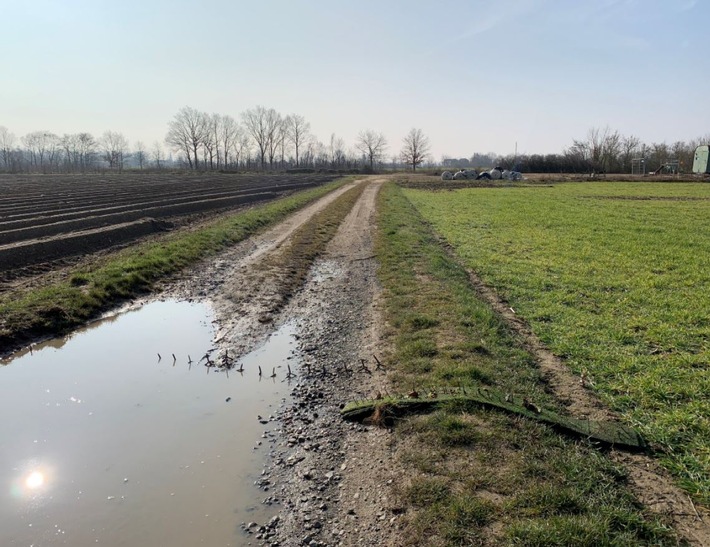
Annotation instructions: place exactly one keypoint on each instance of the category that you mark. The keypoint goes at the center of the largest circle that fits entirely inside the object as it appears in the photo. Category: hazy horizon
(474, 76)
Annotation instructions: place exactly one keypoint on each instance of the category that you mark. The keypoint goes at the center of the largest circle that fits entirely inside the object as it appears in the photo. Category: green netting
(610, 433)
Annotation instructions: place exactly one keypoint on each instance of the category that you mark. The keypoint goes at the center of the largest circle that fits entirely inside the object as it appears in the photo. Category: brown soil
(44, 218)
(431, 182)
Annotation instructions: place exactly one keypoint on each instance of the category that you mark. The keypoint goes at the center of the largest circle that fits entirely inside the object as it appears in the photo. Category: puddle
(102, 443)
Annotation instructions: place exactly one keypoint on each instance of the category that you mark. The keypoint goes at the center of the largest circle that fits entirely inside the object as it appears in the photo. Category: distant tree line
(47, 152)
(601, 151)
(263, 139)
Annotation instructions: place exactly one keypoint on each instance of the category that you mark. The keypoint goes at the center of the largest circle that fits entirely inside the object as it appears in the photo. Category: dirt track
(309, 474)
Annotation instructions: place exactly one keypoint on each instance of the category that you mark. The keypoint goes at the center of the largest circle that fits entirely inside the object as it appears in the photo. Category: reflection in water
(34, 480)
(58, 343)
(104, 443)
(30, 483)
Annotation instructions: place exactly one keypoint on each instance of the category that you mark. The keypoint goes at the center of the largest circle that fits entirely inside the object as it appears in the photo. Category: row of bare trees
(607, 150)
(266, 139)
(217, 141)
(262, 139)
(46, 152)
(602, 150)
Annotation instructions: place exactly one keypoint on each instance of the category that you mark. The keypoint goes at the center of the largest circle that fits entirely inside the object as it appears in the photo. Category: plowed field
(46, 218)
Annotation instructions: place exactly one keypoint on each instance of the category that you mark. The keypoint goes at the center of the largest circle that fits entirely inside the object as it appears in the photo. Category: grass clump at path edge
(480, 476)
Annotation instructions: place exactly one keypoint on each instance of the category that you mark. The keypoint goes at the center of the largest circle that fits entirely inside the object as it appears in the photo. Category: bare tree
(211, 140)
(298, 132)
(242, 147)
(43, 148)
(611, 148)
(7, 144)
(157, 155)
(70, 146)
(227, 134)
(320, 152)
(600, 149)
(629, 148)
(87, 151)
(186, 133)
(140, 154)
(282, 139)
(415, 148)
(262, 124)
(337, 151)
(372, 145)
(114, 147)
(276, 134)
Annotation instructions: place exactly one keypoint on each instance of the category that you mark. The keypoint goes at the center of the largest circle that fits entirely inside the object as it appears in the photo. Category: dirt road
(321, 469)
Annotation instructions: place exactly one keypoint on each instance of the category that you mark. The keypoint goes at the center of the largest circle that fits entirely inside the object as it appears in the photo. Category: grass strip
(477, 475)
(89, 291)
(613, 277)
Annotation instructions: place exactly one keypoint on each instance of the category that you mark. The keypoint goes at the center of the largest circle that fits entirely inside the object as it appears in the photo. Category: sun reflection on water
(34, 480)
(32, 483)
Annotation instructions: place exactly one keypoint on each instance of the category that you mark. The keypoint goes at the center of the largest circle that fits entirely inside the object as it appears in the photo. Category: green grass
(87, 292)
(478, 476)
(613, 277)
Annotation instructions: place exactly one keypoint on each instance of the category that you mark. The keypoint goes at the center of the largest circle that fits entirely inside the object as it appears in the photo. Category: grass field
(613, 277)
(477, 476)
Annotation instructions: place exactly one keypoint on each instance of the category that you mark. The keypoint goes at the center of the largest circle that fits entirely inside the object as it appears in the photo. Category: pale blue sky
(475, 76)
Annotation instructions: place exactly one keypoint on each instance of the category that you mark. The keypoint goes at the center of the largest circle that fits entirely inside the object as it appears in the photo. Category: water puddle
(103, 443)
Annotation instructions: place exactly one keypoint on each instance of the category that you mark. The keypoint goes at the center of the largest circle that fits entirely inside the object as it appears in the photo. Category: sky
(474, 76)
